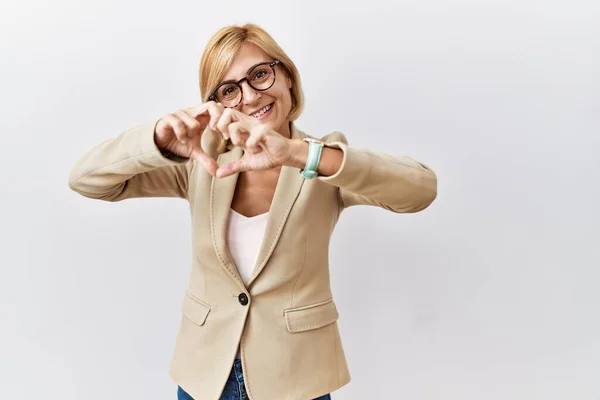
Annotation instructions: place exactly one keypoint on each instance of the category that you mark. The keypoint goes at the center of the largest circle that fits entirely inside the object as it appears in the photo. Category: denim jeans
(234, 388)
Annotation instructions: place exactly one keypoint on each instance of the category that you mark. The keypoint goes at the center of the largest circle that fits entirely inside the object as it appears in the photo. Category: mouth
(264, 112)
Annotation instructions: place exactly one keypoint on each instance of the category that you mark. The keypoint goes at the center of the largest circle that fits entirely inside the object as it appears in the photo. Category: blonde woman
(258, 320)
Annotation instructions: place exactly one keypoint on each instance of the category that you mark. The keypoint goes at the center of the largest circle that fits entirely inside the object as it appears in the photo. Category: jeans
(234, 388)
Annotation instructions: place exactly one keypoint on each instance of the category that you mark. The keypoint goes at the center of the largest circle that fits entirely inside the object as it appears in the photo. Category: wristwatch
(315, 148)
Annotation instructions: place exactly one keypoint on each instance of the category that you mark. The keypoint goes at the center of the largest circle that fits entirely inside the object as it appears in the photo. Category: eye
(228, 91)
(261, 74)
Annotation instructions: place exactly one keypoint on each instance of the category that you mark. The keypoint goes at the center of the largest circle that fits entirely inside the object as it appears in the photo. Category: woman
(258, 318)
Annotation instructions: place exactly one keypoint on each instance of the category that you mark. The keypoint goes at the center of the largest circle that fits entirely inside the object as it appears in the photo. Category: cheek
(285, 102)
(286, 96)
(283, 95)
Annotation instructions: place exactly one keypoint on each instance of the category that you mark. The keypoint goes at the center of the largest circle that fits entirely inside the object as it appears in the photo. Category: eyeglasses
(260, 77)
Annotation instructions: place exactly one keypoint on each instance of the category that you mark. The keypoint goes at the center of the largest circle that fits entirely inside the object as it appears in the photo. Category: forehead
(247, 56)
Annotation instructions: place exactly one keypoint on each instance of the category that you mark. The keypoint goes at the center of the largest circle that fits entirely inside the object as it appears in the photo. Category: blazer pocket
(310, 317)
(194, 309)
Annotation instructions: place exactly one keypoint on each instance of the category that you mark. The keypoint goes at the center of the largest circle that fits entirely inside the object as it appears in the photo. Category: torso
(254, 191)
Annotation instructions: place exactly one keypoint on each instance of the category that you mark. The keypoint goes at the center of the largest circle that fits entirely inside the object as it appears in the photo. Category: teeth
(262, 111)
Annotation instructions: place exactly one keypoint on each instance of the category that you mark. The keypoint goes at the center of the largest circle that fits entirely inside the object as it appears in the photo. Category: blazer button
(243, 298)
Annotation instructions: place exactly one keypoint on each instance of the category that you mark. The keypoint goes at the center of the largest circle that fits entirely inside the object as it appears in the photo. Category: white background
(491, 293)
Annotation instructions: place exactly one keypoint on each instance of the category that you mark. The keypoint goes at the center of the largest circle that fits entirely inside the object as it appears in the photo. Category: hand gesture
(180, 132)
(264, 147)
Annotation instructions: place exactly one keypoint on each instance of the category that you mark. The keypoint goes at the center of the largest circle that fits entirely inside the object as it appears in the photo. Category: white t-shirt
(244, 238)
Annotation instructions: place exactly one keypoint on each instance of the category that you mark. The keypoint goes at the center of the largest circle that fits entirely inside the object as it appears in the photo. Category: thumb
(209, 163)
(197, 111)
(232, 168)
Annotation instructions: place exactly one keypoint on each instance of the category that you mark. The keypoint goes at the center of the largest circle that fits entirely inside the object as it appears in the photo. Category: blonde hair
(222, 47)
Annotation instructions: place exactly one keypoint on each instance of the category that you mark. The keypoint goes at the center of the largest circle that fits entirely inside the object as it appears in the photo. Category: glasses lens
(261, 77)
(229, 94)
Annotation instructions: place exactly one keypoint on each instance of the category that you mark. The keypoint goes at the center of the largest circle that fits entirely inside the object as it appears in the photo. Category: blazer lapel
(222, 190)
(286, 192)
(221, 196)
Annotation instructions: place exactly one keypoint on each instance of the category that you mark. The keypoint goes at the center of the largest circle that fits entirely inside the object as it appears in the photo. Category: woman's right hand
(180, 132)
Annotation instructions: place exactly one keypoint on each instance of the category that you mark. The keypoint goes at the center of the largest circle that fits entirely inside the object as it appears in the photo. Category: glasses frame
(272, 64)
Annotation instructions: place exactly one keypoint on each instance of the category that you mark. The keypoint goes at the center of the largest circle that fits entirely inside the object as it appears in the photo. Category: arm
(364, 177)
(130, 165)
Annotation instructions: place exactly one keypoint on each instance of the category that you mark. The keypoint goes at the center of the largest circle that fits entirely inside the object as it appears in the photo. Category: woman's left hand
(264, 147)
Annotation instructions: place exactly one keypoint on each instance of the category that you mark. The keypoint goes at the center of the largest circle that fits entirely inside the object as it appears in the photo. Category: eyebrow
(247, 72)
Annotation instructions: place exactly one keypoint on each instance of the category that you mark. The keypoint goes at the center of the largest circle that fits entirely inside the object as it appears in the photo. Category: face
(277, 98)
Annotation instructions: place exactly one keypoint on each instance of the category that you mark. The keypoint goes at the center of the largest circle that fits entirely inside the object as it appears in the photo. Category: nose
(249, 94)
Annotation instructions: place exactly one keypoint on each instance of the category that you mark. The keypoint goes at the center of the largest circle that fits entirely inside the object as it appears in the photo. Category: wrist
(298, 153)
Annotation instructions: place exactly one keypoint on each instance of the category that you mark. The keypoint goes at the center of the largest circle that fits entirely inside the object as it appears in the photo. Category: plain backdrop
(491, 293)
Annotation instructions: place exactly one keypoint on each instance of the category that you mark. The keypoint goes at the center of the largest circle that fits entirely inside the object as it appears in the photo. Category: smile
(263, 112)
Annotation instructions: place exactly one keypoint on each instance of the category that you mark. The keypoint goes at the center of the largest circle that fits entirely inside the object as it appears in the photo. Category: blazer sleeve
(395, 183)
(130, 165)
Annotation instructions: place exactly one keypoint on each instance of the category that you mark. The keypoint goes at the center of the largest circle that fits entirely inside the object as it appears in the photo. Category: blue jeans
(234, 388)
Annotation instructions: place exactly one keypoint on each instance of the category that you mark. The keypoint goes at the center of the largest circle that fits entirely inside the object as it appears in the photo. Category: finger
(256, 137)
(252, 150)
(194, 128)
(232, 168)
(206, 114)
(178, 127)
(210, 111)
(238, 134)
(209, 163)
(228, 116)
(198, 110)
(215, 110)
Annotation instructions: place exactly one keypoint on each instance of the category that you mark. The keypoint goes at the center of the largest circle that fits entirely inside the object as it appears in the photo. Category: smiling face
(271, 106)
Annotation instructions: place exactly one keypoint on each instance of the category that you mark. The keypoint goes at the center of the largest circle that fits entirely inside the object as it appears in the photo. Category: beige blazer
(284, 320)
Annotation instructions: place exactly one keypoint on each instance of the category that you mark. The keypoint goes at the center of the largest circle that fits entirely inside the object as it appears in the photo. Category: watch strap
(315, 149)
